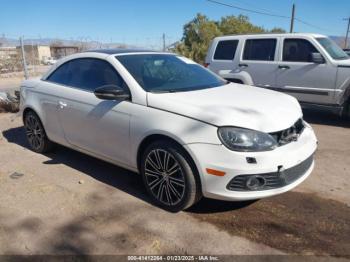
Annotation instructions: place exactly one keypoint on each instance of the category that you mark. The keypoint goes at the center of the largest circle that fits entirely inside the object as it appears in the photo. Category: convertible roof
(119, 51)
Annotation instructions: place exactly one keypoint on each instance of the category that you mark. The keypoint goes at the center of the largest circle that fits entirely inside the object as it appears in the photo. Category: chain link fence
(41, 54)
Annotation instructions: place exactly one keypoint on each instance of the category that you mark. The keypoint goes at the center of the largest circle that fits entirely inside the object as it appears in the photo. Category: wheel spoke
(30, 139)
(38, 142)
(32, 122)
(167, 193)
(152, 164)
(160, 192)
(35, 142)
(29, 123)
(29, 132)
(166, 161)
(153, 185)
(152, 173)
(159, 161)
(174, 171)
(176, 181)
(172, 168)
(173, 189)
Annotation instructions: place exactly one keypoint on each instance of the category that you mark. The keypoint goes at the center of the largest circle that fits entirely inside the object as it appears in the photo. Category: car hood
(232, 105)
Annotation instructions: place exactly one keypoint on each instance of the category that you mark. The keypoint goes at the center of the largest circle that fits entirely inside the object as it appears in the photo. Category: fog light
(255, 182)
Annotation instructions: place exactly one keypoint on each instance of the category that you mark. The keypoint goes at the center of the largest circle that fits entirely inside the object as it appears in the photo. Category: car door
(259, 60)
(97, 126)
(224, 57)
(300, 77)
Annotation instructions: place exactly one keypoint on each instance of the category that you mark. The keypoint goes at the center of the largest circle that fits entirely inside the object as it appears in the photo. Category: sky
(142, 22)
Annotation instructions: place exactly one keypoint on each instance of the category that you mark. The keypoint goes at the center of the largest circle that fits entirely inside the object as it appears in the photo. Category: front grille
(272, 180)
(290, 134)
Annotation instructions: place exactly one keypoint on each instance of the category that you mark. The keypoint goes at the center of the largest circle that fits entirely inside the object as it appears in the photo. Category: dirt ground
(69, 203)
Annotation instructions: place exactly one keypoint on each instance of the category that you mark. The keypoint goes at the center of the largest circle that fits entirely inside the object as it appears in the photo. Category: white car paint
(321, 86)
(232, 103)
(114, 130)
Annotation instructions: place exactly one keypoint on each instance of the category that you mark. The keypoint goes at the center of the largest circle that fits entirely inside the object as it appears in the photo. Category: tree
(232, 25)
(196, 38)
(199, 32)
(277, 30)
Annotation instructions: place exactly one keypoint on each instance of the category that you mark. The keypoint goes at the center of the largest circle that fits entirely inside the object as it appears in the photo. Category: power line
(247, 10)
(268, 14)
(255, 7)
(311, 25)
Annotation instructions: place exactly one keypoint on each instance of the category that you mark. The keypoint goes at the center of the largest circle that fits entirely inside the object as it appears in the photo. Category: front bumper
(234, 164)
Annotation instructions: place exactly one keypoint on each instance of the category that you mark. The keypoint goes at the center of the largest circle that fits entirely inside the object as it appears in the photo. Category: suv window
(87, 74)
(226, 50)
(260, 49)
(298, 50)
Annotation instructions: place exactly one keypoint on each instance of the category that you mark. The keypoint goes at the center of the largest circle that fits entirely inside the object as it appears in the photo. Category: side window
(60, 75)
(90, 73)
(298, 50)
(260, 49)
(226, 50)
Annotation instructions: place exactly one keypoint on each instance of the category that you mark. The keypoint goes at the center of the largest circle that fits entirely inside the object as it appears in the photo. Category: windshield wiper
(164, 91)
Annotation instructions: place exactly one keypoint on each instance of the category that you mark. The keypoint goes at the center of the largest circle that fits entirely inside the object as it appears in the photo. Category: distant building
(62, 51)
(35, 54)
(8, 52)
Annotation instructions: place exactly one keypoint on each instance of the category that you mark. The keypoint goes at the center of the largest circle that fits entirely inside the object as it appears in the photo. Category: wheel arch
(243, 77)
(30, 109)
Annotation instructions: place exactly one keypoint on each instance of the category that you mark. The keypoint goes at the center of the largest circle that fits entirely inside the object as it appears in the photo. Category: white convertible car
(188, 132)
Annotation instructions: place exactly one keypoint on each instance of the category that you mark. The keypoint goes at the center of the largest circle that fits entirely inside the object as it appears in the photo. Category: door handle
(283, 67)
(243, 65)
(62, 104)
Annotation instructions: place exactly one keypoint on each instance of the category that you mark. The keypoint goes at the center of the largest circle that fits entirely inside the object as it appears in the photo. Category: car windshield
(332, 48)
(168, 73)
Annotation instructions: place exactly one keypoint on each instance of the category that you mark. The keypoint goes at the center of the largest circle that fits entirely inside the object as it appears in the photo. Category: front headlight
(245, 140)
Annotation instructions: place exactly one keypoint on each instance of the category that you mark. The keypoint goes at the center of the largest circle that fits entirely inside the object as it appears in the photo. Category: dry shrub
(11, 107)
(11, 104)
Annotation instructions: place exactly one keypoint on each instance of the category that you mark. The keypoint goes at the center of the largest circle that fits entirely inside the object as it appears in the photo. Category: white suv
(310, 67)
(184, 129)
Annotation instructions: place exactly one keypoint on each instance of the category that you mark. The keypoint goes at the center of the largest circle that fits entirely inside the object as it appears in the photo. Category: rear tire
(36, 135)
(169, 176)
(346, 110)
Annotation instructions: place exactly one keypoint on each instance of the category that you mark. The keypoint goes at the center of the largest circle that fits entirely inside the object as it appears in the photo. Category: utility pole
(347, 32)
(164, 43)
(24, 59)
(33, 58)
(292, 19)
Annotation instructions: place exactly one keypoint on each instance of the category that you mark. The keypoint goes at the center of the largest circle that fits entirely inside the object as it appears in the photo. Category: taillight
(206, 64)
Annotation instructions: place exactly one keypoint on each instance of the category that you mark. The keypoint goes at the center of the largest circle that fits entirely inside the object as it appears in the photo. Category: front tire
(169, 176)
(36, 135)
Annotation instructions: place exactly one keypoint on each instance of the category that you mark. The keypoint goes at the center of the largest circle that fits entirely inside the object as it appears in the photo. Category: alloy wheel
(34, 131)
(164, 177)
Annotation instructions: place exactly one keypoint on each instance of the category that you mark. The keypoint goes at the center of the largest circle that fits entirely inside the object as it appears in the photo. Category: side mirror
(317, 58)
(111, 92)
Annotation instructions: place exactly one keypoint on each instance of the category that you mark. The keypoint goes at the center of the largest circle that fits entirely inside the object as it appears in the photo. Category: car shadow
(325, 118)
(112, 175)
(102, 171)
(210, 206)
